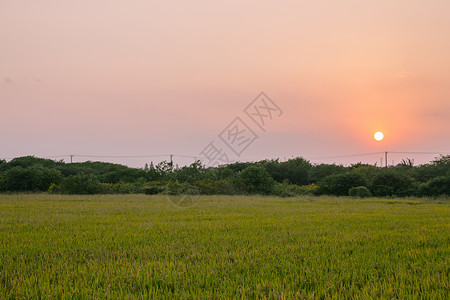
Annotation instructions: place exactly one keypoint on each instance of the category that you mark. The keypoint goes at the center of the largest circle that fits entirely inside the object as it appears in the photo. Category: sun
(378, 136)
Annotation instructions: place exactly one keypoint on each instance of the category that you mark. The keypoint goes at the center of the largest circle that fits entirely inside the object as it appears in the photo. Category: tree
(340, 184)
(319, 172)
(195, 171)
(435, 187)
(388, 182)
(46, 177)
(80, 184)
(29, 161)
(366, 171)
(294, 170)
(439, 167)
(359, 192)
(3, 165)
(19, 179)
(256, 180)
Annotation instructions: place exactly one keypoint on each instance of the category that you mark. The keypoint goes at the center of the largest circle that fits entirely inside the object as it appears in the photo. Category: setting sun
(378, 136)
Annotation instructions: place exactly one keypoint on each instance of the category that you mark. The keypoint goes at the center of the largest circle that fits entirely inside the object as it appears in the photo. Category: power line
(170, 156)
(186, 156)
(118, 156)
(348, 155)
(375, 153)
(397, 152)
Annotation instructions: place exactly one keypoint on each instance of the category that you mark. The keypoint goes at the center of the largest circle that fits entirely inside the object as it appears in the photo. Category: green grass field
(115, 246)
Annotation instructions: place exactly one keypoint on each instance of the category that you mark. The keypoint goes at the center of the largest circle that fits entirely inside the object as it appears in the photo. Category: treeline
(296, 176)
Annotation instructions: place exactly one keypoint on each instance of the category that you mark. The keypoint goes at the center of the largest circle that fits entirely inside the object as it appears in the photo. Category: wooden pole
(385, 159)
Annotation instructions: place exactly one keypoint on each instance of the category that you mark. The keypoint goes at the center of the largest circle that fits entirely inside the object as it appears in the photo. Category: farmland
(101, 246)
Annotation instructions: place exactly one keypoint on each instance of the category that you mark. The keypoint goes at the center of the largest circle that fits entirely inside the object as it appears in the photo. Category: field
(115, 246)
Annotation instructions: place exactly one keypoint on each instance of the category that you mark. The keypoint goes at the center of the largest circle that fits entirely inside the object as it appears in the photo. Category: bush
(80, 184)
(32, 179)
(319, 172)
(295, 170)
(359, 192)
(2, 183)
(54, 188)
(291, 190)
(106, 188)
(256, 180)
(206, 186)
(391, 183)
(435, 187)
(153, 190)
(175, 188)
(340, 184)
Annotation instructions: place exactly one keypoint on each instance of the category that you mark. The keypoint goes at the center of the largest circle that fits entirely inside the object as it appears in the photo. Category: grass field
(223, 247)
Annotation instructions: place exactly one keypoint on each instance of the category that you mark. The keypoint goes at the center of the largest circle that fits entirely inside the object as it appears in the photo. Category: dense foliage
(295, 176)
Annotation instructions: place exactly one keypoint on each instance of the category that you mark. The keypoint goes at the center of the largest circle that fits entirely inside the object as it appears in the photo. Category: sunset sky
(167, 77)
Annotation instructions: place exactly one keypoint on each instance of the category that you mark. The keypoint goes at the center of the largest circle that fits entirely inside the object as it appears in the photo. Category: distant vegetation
(294, 177)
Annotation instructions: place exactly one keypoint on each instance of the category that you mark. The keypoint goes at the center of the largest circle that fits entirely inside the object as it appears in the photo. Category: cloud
(8, 80)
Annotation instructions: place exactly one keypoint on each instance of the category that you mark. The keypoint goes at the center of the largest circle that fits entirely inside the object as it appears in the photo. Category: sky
(153, 78)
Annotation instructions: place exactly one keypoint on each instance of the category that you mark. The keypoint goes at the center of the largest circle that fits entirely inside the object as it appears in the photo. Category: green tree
(295, 171)
(80, 184)
(389, 182)
(46, 176)
(29, 161)
(439, 167)
(319, 172)
(19, 179)
(195, 171)
(438, 186)
(340, 184)
(256, 180)
(366, 171)
(359, 192)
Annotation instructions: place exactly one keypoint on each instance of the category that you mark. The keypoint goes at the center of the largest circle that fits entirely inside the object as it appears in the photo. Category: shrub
(340, 184)
(80, 184)
(366, 171)
(106, 188)
(359, 192)
(206, 186)
(435, 187)
(54, 188)
(2, 183)
(153, 190)
(291, 190)
(285, 189)
(47, 177)
(175, 188)
(35, 178)
(294, 170)
(256, 180)
(319, 172)
(227, 186)
(391, 183)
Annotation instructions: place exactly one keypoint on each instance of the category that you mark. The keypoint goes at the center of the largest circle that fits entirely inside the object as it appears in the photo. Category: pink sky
(160, 77)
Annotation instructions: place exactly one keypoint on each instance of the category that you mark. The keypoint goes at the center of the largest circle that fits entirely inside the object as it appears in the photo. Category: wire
(418, 152)
(118, 156)
(199, 156)
(348, 155)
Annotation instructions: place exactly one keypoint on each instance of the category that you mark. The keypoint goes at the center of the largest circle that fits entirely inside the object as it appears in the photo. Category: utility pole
(385, 159)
